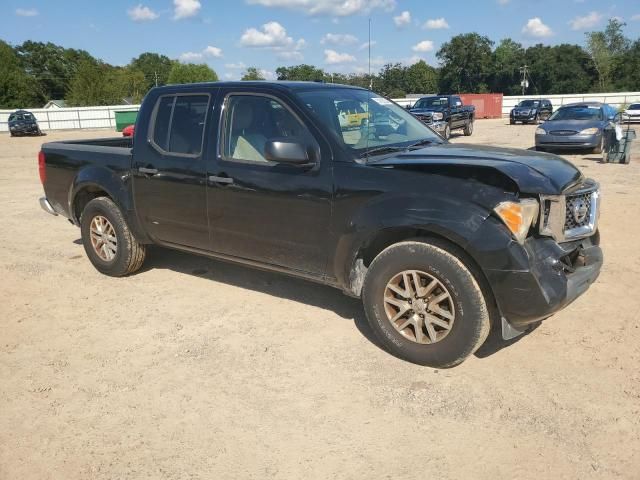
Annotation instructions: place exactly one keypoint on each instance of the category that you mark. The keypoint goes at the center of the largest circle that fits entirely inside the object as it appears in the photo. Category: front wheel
(600, 148)
(107, 240)
(424, 304)
(468, 129)
(447, 132)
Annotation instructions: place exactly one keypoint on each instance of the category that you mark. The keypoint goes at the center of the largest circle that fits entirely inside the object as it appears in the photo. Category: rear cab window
(178, 123)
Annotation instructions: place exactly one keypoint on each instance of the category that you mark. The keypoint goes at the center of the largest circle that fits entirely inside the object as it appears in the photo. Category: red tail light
(42, 169)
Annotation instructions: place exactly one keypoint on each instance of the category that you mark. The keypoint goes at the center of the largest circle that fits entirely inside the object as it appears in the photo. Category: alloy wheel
(103, 238)
(419, 306)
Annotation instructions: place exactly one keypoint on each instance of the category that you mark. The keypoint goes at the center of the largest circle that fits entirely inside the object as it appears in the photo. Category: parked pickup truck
(445, 113)
(440, 241)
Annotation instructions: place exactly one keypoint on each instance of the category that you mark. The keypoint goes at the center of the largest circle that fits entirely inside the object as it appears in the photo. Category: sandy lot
(168, 374)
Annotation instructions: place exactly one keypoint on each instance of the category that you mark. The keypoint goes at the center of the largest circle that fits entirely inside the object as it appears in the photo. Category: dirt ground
(197, 369)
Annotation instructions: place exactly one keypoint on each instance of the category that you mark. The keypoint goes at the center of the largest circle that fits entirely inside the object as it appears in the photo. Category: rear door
(169, 171)
(263, 211)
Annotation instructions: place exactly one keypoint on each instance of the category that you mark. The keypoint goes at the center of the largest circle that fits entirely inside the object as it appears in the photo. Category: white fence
(72, 118)
(616, 99)
(104, 117)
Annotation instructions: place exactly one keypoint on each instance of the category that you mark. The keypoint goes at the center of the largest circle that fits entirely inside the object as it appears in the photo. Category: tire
(536, 119)
(469, 326)
(600, 148)
(447, 132)
(541, 149)
(512, 122)
(468, 129)
(129, 255)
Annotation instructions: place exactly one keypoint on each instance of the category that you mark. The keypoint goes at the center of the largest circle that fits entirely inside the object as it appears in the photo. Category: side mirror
(289, 150)
(458, 104)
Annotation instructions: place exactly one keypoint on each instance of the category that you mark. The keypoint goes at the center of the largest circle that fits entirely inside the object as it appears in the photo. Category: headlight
(438, 116)
(540, 131)
(518, 216)
(590, 131)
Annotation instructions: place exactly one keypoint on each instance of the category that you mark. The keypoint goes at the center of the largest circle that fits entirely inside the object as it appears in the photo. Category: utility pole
(524, 82)
(156, 75)
(370, 79)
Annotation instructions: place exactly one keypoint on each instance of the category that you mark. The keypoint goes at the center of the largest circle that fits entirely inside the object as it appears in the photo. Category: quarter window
(179, 123)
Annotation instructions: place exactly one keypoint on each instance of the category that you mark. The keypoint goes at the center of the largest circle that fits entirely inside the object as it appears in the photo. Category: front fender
(455, 219)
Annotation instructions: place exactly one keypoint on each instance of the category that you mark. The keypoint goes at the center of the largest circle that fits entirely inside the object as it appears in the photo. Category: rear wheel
(512, 122)
(424, 304)
(107, 240)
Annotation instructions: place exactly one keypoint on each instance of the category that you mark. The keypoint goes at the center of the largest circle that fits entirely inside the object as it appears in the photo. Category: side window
(456, 102)
(187, 124)
(251, 121)
(179, 123)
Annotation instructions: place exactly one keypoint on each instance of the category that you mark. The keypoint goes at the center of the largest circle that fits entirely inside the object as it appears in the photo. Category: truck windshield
(363, 121)
(529, 103)
(430, 102)
(583, 112)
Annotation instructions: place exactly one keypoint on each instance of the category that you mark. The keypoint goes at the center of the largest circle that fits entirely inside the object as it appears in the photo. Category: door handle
(148, 171)
(216, 179)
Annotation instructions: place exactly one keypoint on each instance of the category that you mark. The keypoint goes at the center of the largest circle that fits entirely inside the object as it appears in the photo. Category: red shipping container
(488, 105)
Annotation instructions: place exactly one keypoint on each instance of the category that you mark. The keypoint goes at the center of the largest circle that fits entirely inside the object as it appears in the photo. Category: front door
(260, 210)
(169, 171)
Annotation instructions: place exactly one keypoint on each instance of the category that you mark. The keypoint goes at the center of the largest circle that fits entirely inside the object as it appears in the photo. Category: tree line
(33, 73)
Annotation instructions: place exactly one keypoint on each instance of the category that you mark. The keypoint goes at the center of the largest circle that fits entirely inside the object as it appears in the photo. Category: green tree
(17, 89)
(605, 48)
(92, 85)
(466, 64)
(392, 81)
(52, 66)
(626, 70)
(508, 57)
(421, 78)
(191, 73)
(154, 67)
(252, 73)
(301, 73)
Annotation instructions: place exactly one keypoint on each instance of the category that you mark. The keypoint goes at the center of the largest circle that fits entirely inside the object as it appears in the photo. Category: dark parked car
(438, 240)
(22, 122)
(531, 111)
(577, 126)
(445, 113)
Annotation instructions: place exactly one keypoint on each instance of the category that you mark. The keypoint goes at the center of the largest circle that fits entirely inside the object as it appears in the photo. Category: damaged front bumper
(558, 274)
(439, 127)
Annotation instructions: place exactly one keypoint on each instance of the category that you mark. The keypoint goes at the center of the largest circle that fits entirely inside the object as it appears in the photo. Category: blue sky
(230, 35)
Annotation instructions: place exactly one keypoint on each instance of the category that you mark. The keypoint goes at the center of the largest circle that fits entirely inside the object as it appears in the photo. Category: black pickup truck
(440, 241)
(445, 113)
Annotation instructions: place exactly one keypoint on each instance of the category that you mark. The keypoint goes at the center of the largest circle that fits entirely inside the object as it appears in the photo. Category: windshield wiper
(420, 143)
(382, 150)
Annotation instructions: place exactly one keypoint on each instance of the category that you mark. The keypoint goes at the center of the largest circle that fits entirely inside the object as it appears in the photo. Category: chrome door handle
(216, 179)
(148, 171)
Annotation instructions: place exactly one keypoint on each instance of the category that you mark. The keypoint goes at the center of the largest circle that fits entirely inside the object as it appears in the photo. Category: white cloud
(208, 52)
(411, 60)
(185, 8)
(365, 45)
(339, 39)
(423, 46)
(331, 57)
(588, 21)
(267, 74)
(335, 8)
(272, 35)
(291, 55)
(190, 57)
(140, 13)
(212, 52)
(27, 12)
(235, 66)
(636, 17)
(403, 19)
(435, 24)
(230, 76)
(535, 28)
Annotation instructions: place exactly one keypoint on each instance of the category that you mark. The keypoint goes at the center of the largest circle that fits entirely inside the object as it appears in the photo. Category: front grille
(578, 211)
(563, 132)
(425, 118)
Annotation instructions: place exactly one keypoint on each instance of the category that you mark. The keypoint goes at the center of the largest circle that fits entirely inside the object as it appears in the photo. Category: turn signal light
(518, 216)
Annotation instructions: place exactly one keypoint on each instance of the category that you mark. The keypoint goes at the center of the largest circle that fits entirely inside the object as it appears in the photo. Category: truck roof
(281, 85)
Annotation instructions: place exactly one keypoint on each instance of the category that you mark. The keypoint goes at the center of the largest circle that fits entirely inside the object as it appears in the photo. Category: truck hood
(532, 172)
